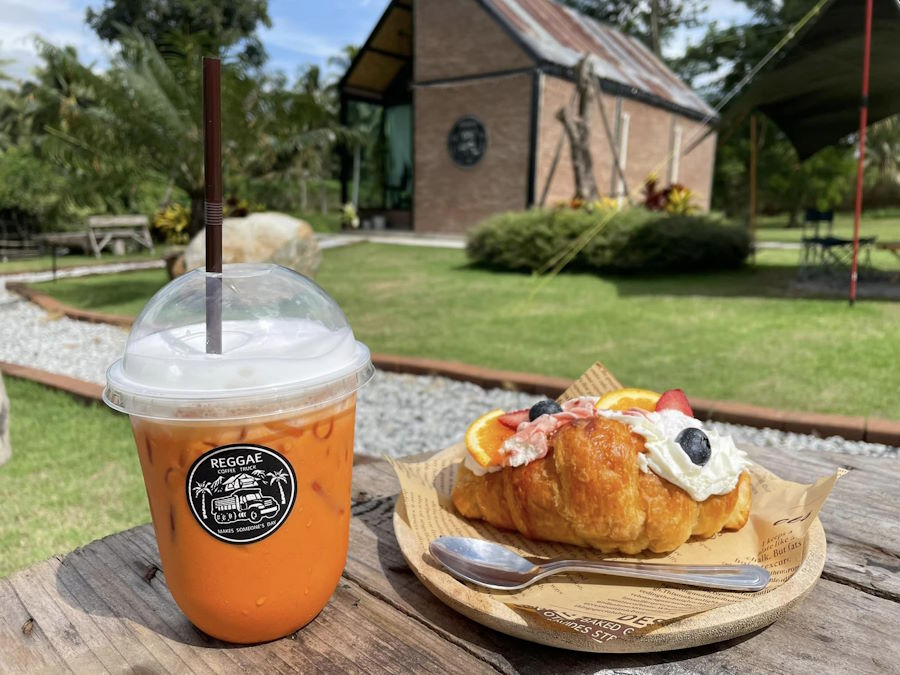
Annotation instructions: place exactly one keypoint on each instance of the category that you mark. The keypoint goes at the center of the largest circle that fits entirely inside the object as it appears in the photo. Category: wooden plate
(715, 625)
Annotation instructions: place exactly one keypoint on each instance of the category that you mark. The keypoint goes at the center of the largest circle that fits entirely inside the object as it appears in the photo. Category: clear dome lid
(286, 345)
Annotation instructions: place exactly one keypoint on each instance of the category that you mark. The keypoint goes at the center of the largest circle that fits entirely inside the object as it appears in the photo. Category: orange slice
(485, 436)
(623, 399)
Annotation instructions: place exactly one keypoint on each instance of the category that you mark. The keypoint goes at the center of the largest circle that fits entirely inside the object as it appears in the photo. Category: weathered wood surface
(837, 628)
(106, 608)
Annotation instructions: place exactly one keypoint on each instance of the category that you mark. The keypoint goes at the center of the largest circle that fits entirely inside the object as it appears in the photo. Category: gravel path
(397, 414)
(31, 337)
(339, 239)
(406, 414)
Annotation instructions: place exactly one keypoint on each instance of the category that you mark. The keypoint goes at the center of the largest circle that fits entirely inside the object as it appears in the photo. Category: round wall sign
(467, 141)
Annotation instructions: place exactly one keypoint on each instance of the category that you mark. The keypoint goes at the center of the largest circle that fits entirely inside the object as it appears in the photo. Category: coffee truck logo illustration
(241, 493)
(467, 141)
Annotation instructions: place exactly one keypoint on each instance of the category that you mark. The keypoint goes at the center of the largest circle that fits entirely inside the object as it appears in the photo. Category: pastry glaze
(590, 491)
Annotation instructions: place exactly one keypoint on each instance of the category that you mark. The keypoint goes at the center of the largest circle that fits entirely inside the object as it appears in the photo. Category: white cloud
(58, 21)
(287, 35)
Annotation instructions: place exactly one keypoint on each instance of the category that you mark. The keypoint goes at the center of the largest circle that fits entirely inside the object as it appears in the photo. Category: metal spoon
(494, 566)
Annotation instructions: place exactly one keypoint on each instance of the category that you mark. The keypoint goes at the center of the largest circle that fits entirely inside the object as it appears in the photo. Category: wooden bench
(106, 607)
(102, 230)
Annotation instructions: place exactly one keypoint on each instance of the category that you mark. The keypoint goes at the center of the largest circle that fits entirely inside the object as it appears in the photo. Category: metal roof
(562, 36)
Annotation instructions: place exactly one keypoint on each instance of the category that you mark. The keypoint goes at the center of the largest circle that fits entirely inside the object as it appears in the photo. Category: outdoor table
(892, 247)
(833, 254)
(106, 607)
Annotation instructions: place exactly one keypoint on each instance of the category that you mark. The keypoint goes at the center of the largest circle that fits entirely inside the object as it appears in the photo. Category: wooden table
(105, 607)
(833, 255)
(892, 247)
(101, 230)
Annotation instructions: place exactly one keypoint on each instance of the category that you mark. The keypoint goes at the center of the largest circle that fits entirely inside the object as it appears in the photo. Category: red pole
(863, 117)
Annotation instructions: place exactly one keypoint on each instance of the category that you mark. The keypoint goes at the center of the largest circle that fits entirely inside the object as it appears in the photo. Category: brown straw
(212, 147)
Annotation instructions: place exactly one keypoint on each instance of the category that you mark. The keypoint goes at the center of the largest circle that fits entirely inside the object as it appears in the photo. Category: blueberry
(696, 444)
(546, 407)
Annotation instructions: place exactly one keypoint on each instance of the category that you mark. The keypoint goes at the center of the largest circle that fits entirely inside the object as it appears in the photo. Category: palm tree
(200, 490)
(883, 147)
(297, 136)
(143, 116)
(342, 60)
(277, 478)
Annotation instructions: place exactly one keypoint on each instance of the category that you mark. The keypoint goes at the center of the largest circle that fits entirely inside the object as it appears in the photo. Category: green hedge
(632, 240)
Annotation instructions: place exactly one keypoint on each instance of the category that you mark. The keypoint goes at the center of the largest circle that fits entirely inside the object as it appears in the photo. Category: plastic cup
(247, 455)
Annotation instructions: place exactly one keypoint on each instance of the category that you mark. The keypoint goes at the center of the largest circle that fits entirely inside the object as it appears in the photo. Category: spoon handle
(722, 577)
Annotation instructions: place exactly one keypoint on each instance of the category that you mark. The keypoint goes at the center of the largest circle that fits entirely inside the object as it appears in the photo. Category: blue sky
(303, 31)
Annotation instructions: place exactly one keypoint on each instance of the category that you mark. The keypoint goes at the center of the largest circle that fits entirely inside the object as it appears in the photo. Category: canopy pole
(863, 117)
(753, 186)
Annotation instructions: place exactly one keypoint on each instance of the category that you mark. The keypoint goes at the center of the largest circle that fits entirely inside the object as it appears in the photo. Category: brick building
(462, 97)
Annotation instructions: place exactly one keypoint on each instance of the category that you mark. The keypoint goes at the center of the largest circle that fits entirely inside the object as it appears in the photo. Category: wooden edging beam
(854, 428)
(89, 391)
(870, 429)
(54, 306)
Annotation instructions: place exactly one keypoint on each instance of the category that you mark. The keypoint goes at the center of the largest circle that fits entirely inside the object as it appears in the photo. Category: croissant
(590, 491)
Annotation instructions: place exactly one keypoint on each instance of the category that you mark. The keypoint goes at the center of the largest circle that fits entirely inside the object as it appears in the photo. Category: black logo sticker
(241, 493)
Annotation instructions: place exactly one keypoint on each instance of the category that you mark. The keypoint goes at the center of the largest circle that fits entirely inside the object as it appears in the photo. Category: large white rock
(5, 447)
(267, 236)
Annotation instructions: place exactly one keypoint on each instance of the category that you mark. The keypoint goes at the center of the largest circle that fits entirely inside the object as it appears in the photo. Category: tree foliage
(726, 54)
(785, 184)
(883, 148)
(31, 191)
(213, 27)
(639, 18)
(137, 125)
(718, 63)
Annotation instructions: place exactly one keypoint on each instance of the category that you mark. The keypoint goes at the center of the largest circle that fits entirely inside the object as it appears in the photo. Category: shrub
(171, 224)
(632, 240)
(677, 243)
(237, 207)
(880, 194)
(349, 217)
(527, 240)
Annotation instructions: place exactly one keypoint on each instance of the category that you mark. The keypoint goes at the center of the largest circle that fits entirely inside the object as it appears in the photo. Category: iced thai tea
(252, 519)
(246, 449)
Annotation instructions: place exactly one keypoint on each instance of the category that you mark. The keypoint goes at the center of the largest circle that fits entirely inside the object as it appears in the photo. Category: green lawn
(124, 293)
(45, 262)
(73, 477)
(773, 228)
(731, 335)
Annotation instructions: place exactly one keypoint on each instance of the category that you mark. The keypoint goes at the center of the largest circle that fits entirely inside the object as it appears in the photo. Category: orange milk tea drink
(247, 455)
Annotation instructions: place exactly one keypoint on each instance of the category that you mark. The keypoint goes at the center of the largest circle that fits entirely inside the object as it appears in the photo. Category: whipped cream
(476, 468)
(669, 461)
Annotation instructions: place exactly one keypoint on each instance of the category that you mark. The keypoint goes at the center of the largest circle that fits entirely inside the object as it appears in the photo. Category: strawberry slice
(513, 419)
(674, 399)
